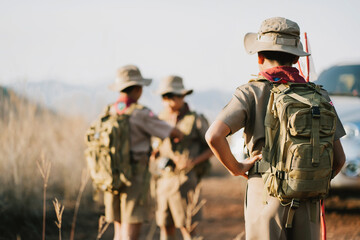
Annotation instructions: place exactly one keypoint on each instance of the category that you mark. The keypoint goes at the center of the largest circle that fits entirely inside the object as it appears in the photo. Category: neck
(129, 96)
(174, 111)
(178, 111)
(270, 64)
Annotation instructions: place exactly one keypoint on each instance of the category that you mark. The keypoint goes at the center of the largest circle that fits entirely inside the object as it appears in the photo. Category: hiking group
(291, 132)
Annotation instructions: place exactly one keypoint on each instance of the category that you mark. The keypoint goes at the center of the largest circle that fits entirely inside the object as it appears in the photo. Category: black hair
(283, 58)
(171, 95)
(129, 89)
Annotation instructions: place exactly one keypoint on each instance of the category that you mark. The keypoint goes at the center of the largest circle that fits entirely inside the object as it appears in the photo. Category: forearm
(216, 139)
(203, 156)
(221, 150)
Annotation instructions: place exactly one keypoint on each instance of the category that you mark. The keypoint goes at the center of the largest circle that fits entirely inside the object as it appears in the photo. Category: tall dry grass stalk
(240, 236)
(44, 166)
(151, 233)
(84, 179)
(59, 209)
(103, 225)
(193, 207)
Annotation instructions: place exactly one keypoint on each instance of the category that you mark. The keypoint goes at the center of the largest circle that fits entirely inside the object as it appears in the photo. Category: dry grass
(103, 225)
(240, 236)
(84, 179)
(59, 210)
(44, 167)
(27, 132)
(193, 207)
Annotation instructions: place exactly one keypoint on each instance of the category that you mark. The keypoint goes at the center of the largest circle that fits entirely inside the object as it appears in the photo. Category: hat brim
(252, 46)
(176, 92)
(118, 87)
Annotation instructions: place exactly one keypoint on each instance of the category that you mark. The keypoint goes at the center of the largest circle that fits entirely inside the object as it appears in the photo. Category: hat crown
(173, 84)
(128, 73)
(280, 25)
(276, 34)
(128, 76)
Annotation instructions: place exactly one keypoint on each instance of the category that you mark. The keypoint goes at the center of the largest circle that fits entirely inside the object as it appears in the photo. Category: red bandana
(283, 74)
(123, 103)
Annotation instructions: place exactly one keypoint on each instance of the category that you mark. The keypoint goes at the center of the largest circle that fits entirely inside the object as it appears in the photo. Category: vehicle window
(341, 80)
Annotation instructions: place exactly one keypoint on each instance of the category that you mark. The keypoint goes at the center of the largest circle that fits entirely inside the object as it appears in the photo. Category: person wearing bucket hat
(128, 76)
(180, 164)
(278, 47)
(129, 208)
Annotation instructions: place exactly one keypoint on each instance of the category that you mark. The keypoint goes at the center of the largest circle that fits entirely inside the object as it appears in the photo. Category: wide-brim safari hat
(276, 34)
(128, 76)
(173, 84)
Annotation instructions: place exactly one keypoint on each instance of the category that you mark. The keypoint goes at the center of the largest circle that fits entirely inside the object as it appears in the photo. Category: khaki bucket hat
(128, 76)
(173, 84)
(276, 34)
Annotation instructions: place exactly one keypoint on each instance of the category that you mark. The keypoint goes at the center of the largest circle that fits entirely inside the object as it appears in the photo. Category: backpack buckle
(280, 175)
(256, 167)
(295, 203)
(315, 111)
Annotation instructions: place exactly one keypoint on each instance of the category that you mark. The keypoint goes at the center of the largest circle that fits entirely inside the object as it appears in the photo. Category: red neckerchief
(123, 103)
(283, 74)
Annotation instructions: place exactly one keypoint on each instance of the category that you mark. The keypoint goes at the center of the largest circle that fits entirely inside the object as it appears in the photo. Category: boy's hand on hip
(248, 163)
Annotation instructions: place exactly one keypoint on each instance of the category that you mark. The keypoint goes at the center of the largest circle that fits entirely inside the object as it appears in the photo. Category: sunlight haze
(84, 42)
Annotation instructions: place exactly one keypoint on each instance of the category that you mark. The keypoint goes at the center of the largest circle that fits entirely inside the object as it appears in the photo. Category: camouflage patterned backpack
(108, 150)
(298, 154)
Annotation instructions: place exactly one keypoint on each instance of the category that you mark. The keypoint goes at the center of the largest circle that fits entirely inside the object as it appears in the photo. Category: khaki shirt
(194, 127)
(247, 109)
(143, 125)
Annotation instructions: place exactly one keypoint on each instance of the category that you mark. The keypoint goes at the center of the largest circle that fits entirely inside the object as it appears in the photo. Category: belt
(259, 167)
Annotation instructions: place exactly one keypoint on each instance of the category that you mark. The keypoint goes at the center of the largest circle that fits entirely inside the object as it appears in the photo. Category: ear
(261, 58)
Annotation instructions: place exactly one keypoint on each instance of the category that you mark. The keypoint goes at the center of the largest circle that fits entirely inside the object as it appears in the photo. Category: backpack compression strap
(315, 112)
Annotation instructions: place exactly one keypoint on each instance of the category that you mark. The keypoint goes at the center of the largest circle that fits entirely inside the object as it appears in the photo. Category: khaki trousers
(267, 221)
(130, 206)
(172, 198)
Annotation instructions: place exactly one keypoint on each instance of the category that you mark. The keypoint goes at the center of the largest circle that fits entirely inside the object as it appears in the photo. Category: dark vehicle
(343, 84)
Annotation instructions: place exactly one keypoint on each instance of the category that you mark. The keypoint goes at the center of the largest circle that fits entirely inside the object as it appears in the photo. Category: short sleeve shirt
(247, 109)
(144, 124)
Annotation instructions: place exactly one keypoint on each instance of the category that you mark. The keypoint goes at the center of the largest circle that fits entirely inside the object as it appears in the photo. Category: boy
(278, 46)
(184, 159)
(128, 210)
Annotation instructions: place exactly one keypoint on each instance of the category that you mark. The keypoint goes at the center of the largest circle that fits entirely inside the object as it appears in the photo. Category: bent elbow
(211, 137)
(208, 137)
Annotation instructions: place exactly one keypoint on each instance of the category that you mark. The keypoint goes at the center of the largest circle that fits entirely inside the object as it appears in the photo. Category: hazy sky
(85, 41)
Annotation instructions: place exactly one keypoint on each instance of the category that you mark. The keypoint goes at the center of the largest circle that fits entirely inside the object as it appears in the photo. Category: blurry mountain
(90, 100)
(13, 104)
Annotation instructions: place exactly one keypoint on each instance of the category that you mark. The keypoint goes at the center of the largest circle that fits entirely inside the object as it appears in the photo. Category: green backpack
(298, 154)
(188, 125)
(108, 151)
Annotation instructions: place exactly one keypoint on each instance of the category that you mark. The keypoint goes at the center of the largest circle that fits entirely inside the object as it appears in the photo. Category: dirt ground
(223, 216)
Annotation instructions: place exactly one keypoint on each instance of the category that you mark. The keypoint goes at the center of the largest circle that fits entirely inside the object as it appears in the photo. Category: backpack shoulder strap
(187, 122)
(259, 79)
(132, 108)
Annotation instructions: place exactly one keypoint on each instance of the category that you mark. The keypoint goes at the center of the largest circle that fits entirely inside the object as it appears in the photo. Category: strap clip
(315, 111)
(256, 167)
(280, 175)
(295, 203)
